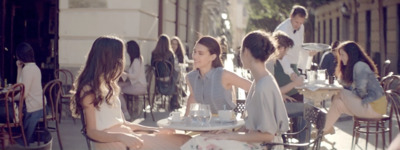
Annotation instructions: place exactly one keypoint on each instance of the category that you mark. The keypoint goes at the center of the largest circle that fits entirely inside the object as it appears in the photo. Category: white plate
(316, 46)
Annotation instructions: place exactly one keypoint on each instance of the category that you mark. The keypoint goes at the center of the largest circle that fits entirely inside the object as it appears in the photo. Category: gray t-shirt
(265, 110)
(209, 90)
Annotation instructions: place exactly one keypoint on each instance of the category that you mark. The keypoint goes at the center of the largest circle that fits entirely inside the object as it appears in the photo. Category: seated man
(293, 100)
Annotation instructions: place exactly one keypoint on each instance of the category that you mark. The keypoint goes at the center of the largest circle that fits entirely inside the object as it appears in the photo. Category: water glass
(311, 76)
(204, 114)
(194, 113)
(321, 74)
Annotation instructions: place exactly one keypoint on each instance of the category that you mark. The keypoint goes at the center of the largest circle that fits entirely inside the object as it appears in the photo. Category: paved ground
(73, 140)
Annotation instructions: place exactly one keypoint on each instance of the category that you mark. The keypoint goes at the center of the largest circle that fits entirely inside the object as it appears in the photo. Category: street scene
(199, 74)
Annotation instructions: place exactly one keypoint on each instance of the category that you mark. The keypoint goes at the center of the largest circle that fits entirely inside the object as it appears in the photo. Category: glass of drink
(204, 114)
(194, 113)
(321, 74)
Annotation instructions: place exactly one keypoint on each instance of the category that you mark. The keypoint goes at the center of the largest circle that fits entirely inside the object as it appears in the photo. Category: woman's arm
(191, 98)
(363, 77)
(126, 138)
(230, 79)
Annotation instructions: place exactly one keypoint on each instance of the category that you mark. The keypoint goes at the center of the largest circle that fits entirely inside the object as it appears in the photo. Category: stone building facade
(374, 24)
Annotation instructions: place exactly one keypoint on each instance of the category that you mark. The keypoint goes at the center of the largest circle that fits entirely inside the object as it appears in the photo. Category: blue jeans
(30, 121)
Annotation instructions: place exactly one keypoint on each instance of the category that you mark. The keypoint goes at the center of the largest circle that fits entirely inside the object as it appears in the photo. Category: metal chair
(52, 91)
(240, 106)
(161, 79)
(314, 116)
(130, 98)
(15, 119)
(391, 86)
(67, 79)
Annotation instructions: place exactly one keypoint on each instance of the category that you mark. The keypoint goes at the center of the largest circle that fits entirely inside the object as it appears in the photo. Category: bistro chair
(316, 117)
(52, 91)
(133, 100)
(391, 86)
(240, 106)
(14, 115)
(160, 80)
(67, 79)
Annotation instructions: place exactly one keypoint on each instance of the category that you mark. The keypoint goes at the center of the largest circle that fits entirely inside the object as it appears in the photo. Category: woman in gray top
(209, 83)
(362, 95)
(265, 113)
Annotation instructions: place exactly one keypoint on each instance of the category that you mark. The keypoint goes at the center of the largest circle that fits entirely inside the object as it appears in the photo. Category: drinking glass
(321, 74)
(204, 114)
(310, 76)
(194, 113)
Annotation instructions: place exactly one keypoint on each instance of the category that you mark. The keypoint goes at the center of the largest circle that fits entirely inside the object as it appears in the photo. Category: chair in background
(164, 78)
(15, 119)
(314, 116)
(67, 79)
(391, 86)
(131, 99)
(240, 106)
(52, 91)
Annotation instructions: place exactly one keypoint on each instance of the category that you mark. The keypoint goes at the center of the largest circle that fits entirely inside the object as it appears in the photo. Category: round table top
(215, 124)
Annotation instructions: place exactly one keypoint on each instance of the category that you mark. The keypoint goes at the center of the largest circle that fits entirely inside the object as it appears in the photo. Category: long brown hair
(163, 48)
(213, 47)
(180, 51)
(355, 54)
(104, 66)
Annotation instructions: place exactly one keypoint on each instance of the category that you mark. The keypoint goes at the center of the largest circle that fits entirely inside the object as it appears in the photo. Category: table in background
(215, 124)
(318, 91)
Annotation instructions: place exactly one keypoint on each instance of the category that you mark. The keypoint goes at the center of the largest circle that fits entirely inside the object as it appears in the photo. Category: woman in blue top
(209, 83)
(362, 95)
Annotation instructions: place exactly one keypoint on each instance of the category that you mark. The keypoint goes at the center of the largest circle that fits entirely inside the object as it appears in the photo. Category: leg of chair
(353, 143)
(58, 135)
(383, 134)
(377, 124)
(144, 106)
(366, 139)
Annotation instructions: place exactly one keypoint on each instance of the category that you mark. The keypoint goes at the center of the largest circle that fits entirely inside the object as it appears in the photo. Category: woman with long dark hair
(362, 95)
(134, 79)
(96, 97)
(168, 74)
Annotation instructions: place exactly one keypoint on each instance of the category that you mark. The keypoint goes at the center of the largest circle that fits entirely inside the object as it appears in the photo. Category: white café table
(214, 124)
(318, 91)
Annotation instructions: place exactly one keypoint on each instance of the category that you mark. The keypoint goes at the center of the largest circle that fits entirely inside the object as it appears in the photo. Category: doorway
(34, 22)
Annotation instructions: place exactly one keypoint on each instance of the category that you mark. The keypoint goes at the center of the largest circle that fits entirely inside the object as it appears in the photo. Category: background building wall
(362, 24)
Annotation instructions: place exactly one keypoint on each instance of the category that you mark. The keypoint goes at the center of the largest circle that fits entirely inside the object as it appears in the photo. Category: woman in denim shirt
(362, 95)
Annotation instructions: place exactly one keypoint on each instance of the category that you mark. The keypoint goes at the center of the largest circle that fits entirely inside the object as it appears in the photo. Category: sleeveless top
(108, 115)
(209, 90)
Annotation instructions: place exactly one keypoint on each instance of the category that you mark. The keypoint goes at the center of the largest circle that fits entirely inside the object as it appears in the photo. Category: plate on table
(316, 46)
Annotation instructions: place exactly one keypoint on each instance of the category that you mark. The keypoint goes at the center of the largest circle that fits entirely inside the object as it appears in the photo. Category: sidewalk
(72, 138)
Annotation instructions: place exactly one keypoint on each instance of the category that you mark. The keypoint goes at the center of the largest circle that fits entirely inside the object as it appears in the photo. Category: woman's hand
(130, 140)
(19, 63)
(288, 98)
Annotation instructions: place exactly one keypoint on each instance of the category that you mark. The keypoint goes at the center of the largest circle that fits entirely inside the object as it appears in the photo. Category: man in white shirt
(296, 57)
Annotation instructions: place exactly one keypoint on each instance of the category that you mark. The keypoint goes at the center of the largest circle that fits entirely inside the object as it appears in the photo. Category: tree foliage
(267, 14)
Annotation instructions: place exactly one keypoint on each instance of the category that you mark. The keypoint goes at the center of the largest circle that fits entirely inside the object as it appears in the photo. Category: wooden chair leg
(58, 135)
